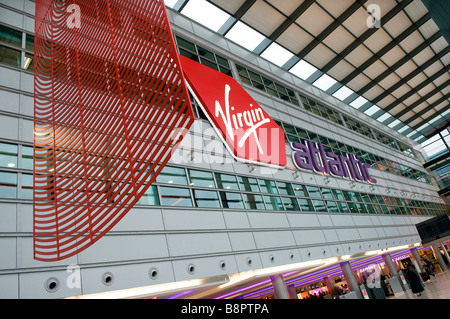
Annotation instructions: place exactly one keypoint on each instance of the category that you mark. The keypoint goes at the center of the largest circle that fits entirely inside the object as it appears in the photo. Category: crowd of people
(413, 277)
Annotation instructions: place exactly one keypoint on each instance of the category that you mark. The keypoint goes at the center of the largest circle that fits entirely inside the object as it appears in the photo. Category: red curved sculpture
(111, 105)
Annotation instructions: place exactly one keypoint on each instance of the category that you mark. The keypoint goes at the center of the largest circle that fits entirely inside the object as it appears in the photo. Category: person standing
(414, 280)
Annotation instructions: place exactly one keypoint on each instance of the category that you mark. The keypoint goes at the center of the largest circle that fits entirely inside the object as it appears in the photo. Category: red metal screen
(111, 105)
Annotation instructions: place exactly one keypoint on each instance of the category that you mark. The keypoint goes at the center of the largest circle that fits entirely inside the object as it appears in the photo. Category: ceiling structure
(386, 58)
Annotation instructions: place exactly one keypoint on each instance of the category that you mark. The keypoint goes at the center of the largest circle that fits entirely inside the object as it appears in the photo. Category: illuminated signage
(246, 129)
(314, 157)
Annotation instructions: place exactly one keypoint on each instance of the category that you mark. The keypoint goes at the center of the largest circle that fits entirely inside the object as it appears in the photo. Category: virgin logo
(252, 118)
(245, 128)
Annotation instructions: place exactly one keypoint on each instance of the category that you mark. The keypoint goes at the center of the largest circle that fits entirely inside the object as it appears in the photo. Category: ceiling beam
(234, 18)
(437, 129)
(431, 106)
(417, 88)
(283, 27)
(424, 99)
(435, 126)
(328, 30)
(358, 41)
(377, 56)
(399, 63)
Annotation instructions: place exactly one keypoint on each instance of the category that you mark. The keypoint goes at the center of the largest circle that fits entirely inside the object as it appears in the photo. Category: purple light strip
(302, 280)
(243, 289)
(181, 294)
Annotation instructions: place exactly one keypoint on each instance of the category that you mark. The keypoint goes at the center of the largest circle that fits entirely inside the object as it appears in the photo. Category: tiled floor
(436, 288)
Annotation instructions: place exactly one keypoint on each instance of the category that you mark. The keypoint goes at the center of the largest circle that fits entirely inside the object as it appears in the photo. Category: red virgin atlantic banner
(249, 133)
(111, 106)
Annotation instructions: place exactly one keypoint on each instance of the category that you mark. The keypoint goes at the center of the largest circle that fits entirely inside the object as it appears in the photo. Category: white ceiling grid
(402, 67)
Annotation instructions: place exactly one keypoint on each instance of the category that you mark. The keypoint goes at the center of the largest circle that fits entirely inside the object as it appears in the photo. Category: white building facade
(209, 216)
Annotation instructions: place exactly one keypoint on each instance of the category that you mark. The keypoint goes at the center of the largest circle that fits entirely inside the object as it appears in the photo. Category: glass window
(225, 181)
(203, 198)
(29, 42)
(28, 62)
(305, 204)
(222, 61)
(348, 195)
(343, 207)
(366, 198)
(150, 197)
(384, 209)
(253, 201)
(314, 191)
(332, 206)
(268, 186)
(26, 190)
(231, 200)
(10, 56)
(172, 175)
(361, 208)
(370, 209)
(8, 185)
(353, 208)
(189, 55)
(273, 202)
(201, 178)
(185, 44)
(248, 184)
(285, 188)
(27, 157)
(377, 209)
(326, 193)
(357, 197)
(290, 203)
(205, 53)
(174, 196)
(8, 155)
(300, 190)
(338, 194)
(10, 36)
(319, 205)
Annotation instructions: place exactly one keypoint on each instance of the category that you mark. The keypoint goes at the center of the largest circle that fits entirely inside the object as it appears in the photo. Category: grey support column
(445, 251)
(416, 256)
(279, 287)
(388, 261)
(438, 256)
(350, 278)
(329, 284)
(292, 292)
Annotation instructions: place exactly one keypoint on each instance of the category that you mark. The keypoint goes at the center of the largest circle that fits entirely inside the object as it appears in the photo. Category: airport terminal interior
(120, 176)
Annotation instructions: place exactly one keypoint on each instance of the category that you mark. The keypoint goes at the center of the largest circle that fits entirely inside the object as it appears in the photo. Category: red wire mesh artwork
(111, 105)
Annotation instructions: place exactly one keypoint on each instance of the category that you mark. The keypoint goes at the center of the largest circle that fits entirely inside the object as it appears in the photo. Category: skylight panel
(423, 126)
(384, 117)
(324, 82)
(277, 54)
(393, 124)
(205, 13)
(437, 118)
(360, 101)
(343, 93)
(372, 110)
(245, 36)
(170, 3)
(404, 128)
(303, 69)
